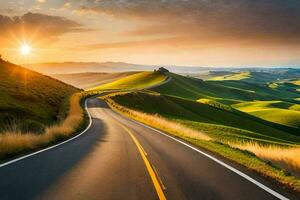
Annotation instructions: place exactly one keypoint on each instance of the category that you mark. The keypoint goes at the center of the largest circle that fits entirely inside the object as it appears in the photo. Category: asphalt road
(120, 159)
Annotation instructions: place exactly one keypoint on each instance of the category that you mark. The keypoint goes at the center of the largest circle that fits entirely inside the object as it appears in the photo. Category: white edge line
(54, 146)
(262, 186)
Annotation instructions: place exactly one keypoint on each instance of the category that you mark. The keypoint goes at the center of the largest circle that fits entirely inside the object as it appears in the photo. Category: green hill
(135, 81)
(218, 122)
(276, 111)
(278, 105)
(195, 89)
(90, 79)
(30, 100)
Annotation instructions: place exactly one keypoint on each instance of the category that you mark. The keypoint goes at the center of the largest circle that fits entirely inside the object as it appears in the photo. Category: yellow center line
(151, 172)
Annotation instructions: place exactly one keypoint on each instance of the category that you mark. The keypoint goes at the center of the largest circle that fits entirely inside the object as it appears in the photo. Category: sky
(208, 33)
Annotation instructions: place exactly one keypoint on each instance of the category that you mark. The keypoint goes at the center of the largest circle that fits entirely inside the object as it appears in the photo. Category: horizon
(175, 32)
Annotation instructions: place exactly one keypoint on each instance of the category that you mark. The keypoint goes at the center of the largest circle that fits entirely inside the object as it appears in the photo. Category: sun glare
(25, 49)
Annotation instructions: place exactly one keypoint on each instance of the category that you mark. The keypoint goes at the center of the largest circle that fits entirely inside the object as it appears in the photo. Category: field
(90, 79)
(30, 101)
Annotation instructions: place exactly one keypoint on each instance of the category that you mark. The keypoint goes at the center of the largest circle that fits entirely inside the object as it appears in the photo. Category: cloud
(40, 25)
(251, 20)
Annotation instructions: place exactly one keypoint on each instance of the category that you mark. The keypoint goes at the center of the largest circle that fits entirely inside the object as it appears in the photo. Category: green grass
(194, 89)
(135, 81)
(90, 79)
(275, 111)
(220, 122)
(236, 76)
(30, 101)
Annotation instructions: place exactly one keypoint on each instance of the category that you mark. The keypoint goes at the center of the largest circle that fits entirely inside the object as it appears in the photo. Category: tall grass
(14, 142)
(158, 122)
(288, 156)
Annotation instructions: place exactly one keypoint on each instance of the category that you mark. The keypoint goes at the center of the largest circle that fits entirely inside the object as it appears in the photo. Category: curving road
(118, 158)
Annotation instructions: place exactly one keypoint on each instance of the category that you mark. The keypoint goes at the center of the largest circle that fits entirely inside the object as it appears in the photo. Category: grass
(236, 76)
(286, 155)
(29, 100)
(297, 82)
(135, 81)
(158, 121)
(275, 111)
(217, 120)
(227, 92)
(36, 110)
(202, 140)
(14, 142)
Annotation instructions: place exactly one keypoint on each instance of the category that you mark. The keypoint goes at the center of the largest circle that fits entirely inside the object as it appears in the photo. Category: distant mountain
(80, 67)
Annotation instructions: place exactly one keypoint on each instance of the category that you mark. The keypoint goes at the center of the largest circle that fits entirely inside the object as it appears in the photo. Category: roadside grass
(158, 121)
(136, 81)
(242, 157)
(286, 155)
(13, 143)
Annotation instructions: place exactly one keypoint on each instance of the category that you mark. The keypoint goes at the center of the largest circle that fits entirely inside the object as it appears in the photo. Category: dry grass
(160, 122)
(286, 155)
(13, 142)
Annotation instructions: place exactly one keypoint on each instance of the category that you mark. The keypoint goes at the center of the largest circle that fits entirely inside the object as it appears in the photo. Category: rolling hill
(90, 79)
(276, 111)
(29, 101)
(136, 81)
(222, 123)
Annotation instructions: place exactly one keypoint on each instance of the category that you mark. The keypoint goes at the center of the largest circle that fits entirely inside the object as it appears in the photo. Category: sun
(25, 49)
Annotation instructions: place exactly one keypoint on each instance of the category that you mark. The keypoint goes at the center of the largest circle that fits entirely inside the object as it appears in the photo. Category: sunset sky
(173, 32)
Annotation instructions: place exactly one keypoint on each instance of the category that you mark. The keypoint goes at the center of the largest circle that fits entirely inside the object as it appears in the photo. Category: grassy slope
(29, 99)
(90, 79)
(240, 92)
(219, 123)
(276, 111)
(135, 81)
(194, 89)
(238, 76)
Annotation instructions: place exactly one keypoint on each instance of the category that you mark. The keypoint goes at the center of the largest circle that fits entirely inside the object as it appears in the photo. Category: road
(120, 159)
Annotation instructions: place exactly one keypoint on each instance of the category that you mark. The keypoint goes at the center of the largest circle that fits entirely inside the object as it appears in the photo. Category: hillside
(220, 123)
(29, 100)
(195, 89)
(90, 79)
(136, 81)
(276, 111)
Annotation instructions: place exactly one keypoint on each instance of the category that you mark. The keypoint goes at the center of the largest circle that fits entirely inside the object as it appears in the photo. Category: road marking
(161, 183)
(54, 146)
(262, 186)
(153, 175)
